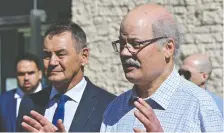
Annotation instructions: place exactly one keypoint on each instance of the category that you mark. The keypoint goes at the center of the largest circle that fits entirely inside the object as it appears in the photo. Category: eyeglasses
(134, 47)
(185, 73)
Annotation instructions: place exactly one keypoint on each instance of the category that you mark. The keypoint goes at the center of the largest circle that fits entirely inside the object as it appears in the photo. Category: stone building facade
(201, 22)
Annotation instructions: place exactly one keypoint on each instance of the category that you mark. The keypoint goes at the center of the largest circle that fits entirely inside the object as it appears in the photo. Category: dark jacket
(88, 116)
(8, 111)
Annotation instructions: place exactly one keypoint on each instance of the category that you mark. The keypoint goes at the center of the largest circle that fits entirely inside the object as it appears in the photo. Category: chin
(131, 78)
(27, 90)
(55, 79)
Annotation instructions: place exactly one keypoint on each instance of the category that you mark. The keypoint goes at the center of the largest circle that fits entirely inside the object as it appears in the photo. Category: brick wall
(201, 23)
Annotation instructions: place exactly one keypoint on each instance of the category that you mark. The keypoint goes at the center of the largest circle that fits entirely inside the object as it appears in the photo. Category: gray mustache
(132, 62)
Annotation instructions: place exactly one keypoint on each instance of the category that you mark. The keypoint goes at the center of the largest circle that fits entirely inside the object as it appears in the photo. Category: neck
(203, 86)
(146, 90)
(65, 86)
(32, 91)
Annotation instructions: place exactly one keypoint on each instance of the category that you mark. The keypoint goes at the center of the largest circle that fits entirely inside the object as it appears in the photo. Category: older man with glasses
(197, 68)
(160, 99)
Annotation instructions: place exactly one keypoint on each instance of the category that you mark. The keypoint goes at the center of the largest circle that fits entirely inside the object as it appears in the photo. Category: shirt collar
(163, 94)
(39, 88)
(19, 93)
(74, 93)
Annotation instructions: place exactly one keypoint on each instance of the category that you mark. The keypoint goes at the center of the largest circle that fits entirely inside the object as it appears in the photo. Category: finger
(144, 103)
(40, 118)
(142, 118)
(150, 125)
(28, 128)
(137, 130)
(32, 122)
(48, 128)
(60, 125)
(146, 111)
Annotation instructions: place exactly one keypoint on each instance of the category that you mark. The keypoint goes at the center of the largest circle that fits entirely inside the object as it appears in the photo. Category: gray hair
(77, 32)
(165, 27)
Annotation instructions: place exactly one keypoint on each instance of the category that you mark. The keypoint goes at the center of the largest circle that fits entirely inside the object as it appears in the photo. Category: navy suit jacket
(88, 116)
(8, 111)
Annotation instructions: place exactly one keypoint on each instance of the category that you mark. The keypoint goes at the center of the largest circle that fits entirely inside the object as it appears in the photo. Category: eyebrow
(132, 38)
(32, 71)
(61, 50)
(58, 51)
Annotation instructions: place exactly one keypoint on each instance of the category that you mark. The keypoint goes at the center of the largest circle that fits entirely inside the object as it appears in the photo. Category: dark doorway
(17, 26)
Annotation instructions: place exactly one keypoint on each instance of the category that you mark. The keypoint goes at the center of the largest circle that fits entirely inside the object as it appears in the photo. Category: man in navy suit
(28, 74)
(65, 54)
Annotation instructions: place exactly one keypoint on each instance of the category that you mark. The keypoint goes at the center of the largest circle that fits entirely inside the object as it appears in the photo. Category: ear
(84, 56)
(40, 74)
(169, 49)
(204, 76)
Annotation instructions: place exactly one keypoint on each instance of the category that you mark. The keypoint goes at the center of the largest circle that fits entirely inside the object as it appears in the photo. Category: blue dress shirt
(218, 100)
(179, 105)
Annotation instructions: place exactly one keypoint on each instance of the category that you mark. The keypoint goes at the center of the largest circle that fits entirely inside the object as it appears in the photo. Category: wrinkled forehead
(139, 21)
(136, 28)
(59, 41)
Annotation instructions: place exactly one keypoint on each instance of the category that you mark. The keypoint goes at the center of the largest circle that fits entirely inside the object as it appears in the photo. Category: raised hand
(147, 117)
(40, 124)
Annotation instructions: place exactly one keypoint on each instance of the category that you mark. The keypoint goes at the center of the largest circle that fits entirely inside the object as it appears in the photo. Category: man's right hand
(40, 124)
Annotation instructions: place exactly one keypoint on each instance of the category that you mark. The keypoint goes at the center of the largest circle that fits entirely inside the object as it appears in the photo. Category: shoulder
(118, 102)
(7, 95)
(116, 109)
(196, 96)
(45, 91)
(193, 91)
(38, 98)
(6, 98)
(214, 96)
(122, 98)
(11, 92)
(102, 93)
(219, 101)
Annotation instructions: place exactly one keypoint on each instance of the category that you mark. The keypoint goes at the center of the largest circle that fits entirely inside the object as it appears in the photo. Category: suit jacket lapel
(12, 110)
(85, 108)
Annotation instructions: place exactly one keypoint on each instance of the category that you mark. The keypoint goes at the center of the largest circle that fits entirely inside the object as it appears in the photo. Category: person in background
(72, 103)
(160, 99)
(197, 68)
(28, 75)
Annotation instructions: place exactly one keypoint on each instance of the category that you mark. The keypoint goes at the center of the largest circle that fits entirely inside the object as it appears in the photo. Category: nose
(125, 51)
(26, 76)
(53, 60)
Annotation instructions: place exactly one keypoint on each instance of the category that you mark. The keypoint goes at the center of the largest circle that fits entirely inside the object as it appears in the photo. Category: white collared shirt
(75, 95)
(19, 95)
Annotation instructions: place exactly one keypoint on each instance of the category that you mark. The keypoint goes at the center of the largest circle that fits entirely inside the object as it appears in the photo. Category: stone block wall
(201, 22)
